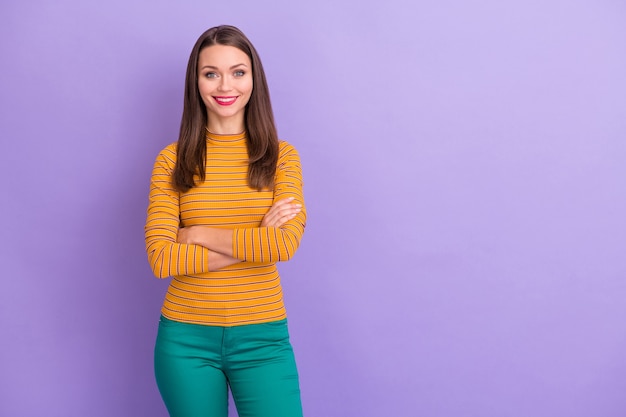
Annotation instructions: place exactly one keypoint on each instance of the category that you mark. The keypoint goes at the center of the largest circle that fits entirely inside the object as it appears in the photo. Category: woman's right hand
(281, 212)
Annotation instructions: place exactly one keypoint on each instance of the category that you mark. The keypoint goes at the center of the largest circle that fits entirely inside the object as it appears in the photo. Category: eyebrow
(233, 67)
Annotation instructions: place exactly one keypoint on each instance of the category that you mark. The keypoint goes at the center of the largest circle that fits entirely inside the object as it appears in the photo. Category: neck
(226, 126)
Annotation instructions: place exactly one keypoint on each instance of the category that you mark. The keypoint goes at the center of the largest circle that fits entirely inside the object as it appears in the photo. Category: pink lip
(225, 100)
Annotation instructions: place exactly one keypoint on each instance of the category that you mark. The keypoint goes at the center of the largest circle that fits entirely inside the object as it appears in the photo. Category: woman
(225, 205)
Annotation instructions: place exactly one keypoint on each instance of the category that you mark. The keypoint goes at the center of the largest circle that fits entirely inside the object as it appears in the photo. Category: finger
(280, 212)
(285, 217)
(283, 202)
(280, 209)
(286, 210)
(275, 221)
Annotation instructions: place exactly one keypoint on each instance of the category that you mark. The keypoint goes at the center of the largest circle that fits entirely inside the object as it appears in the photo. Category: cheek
(205, 92)
(247, 98)
(203, 97)
(202, 88)
(248, 89)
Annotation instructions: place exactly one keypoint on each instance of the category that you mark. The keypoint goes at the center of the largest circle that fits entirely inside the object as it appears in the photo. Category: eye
(211, 74)
(240, 73)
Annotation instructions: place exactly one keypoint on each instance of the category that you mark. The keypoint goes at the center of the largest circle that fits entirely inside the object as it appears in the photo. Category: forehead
(222, 56)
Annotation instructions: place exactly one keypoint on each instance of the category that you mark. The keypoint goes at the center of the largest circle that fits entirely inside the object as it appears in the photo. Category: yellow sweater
(244, 293)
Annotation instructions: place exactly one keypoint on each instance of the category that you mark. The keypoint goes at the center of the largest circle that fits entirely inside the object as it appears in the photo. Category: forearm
(181, 259)
(256, 244)
(167, 258)
(212, 238)
(269, 244)
(218, 260)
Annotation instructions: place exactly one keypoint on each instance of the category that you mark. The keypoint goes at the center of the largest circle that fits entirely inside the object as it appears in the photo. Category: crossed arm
(219, 242)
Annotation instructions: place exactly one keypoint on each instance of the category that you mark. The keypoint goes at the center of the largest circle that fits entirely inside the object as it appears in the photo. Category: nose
(224, 84)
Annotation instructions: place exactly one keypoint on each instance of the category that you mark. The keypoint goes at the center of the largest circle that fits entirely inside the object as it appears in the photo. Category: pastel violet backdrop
(465, 179)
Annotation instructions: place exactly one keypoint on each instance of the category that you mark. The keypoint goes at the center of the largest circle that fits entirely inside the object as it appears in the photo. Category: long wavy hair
(261, 134)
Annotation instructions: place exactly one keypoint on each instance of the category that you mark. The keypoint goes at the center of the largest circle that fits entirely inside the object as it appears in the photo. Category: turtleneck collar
(223, 139)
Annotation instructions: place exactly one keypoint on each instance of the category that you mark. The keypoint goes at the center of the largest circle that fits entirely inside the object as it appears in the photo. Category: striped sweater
(247, 292)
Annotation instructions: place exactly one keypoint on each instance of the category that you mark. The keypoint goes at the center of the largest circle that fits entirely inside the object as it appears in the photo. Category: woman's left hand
(186, 235)
(281, 212)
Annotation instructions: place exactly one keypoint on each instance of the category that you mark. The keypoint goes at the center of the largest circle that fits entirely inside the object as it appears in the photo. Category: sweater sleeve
(166, 257)
(274, 244)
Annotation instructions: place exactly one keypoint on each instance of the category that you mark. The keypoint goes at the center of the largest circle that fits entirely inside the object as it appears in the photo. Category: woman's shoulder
(171, 148)
(288, 157)
(285, 149)
(168, 153)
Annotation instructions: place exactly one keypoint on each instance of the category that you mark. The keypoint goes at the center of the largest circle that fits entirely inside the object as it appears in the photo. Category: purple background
(465, 178)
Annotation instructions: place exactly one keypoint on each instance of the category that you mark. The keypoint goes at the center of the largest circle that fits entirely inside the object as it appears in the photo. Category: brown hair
(261, 135)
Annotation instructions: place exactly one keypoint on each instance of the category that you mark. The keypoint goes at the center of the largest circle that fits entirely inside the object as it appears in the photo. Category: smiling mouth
(225, 101)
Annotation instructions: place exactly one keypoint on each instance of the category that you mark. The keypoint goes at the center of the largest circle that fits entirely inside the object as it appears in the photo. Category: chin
(227, 113)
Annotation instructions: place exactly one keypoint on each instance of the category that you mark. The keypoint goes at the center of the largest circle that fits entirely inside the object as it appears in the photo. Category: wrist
(201, 236)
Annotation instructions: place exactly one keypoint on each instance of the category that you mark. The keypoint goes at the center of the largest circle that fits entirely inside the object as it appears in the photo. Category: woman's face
(225, 83)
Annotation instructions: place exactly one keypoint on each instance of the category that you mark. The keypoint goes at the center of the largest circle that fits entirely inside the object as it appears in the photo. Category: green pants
(195, 364)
